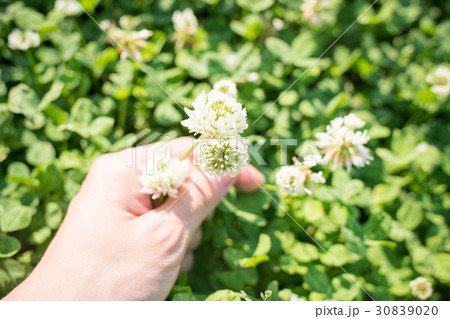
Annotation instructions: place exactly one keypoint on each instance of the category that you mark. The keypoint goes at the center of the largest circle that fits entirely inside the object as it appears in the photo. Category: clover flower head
(23, 40)
(295, 297)
(226, 86)
(230, 59)
(252, 77)
(421, 288)
(290, 181)
(223, 156)
(216, 115)
(126, 41)
(185, 22)
(311, 10)
(342, 145)
(278, 24)
(165, 177)
(440, 80)
(69, 7)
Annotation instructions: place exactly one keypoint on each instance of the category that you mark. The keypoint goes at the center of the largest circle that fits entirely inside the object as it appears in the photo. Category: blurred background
(68, 93)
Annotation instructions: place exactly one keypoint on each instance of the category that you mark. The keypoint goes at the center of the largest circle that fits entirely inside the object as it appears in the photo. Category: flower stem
(123, 114)
(189, 151)
(270, 187)
(32, 62)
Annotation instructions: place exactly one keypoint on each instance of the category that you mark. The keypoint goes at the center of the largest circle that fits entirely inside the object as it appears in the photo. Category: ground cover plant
(69, 92)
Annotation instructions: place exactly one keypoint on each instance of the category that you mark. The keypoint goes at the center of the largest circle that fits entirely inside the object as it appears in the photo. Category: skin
(114, 245)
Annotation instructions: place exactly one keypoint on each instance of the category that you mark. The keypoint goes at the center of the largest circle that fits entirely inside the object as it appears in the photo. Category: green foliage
(72, 99)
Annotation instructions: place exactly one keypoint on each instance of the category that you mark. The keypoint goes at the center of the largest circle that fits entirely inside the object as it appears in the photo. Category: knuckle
(171, 240)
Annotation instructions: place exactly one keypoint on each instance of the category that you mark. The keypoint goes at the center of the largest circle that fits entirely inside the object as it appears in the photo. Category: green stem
(189, 151)
(270, 187)
(32, 63)
(123, 114)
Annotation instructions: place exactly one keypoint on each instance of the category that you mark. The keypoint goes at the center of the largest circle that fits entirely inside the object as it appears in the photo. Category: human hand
(113, 245)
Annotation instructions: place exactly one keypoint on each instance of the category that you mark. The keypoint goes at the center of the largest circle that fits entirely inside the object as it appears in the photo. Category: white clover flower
(126, 41)
(295, 297)
(440, 80)
(342, 145)
(278, 24)
(226, 86)
(311, 10)
(69, 7)
(252, 77)
(421, 288)
(105, 24)
(290, 181)
(165, 177)
(216, 115)
(23, 40)
(185, 22)
(223, 156)
(230, 59)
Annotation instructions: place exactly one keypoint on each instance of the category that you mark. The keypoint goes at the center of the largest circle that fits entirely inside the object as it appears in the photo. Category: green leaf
(16, 218)
(255, 5)
(9, 246)
(53, 94)
(251, 218)
(384, 194)
(304, 45)
(40, 236)
(224, 295)
(53, 215)
(304, 252)
(317, 280)
(50, 177)
(40, 153)
(15, 269)
(28, 19)
(441, 267)
(183, 296)
(23, 100)
(166, 114)
(410, 214)
(101, 126)
(264, 245)
(237, 279)
(336, 103)
(344, 288)
(339, 253)
(378, 226)
(19, 173)
(278, 48)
